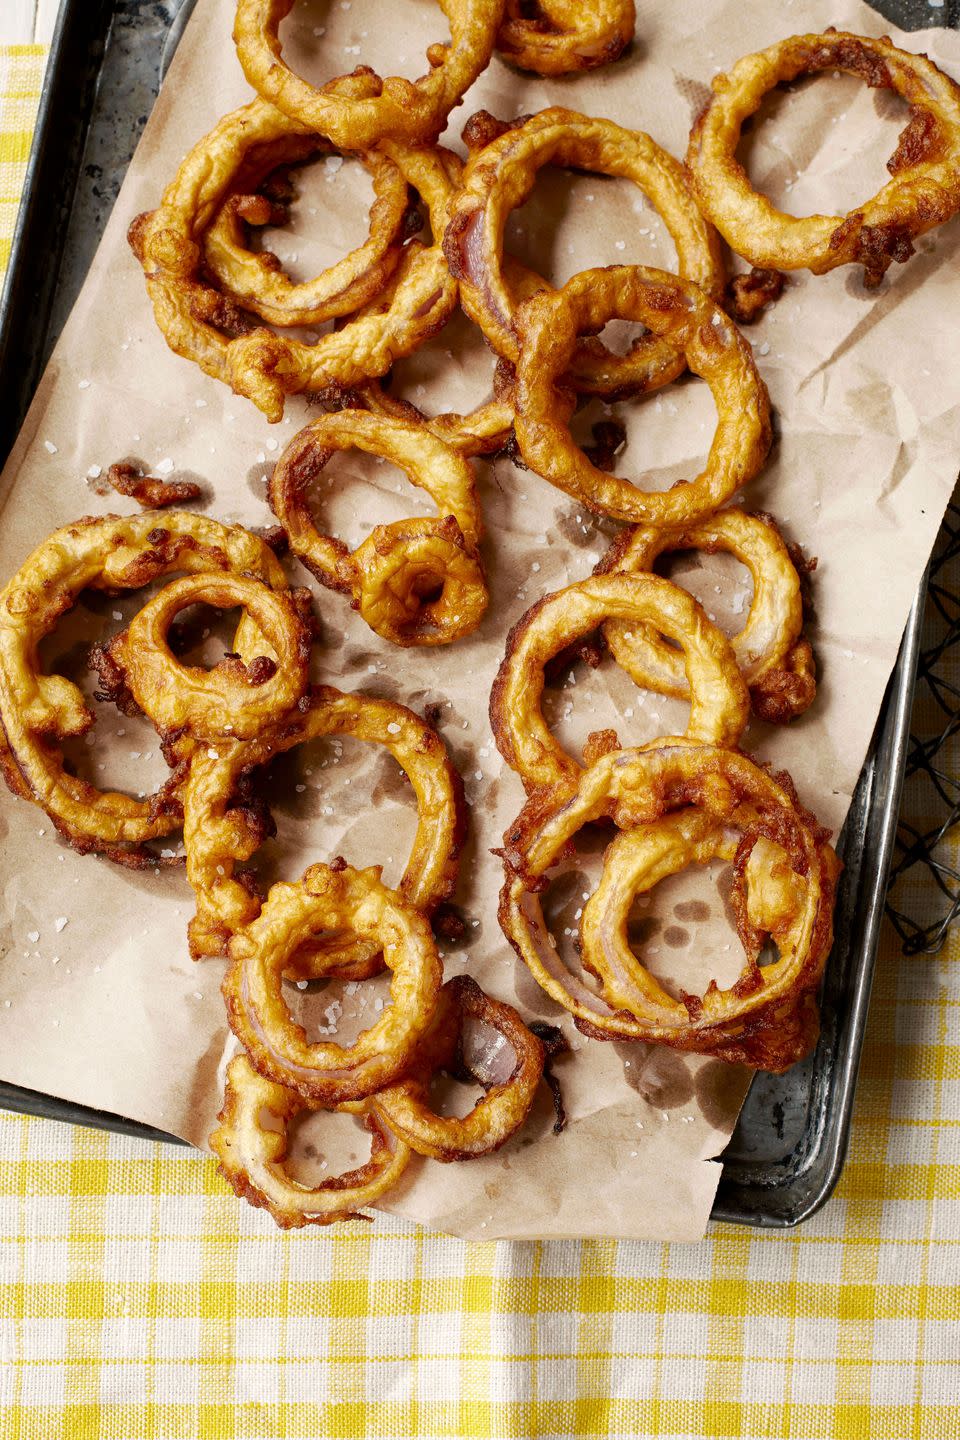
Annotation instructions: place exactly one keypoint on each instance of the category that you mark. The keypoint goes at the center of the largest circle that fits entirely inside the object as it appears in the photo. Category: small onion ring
(566, 36)
(924, 190)
(719, 705)
(388, 575)
(405, 1106)
(331, 899)
(251, 1156)
(414, 111)
(500, 177)
(111, 553)
(769, 1025)
(775, 661)
(220, 834)
(255, 279)
(233, 698)
(715, 350)
(203, 325)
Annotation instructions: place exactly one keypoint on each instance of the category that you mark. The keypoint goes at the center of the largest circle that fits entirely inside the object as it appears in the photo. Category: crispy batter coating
(719, 705)
(562, 37)
(775, 661)
(149, 491)
(405, 1106)
(924, 189)
(680, 803)
(255, 279)
(210, 328)
(251, 1156)
(683, 315)
(500, 177)
(415, 582)
(394, 108)
(222, 830)
(332, 898)
(235, 697)
(113, 554)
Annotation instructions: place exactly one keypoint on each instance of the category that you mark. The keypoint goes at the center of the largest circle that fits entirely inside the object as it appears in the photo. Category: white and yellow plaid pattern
(139, 1300)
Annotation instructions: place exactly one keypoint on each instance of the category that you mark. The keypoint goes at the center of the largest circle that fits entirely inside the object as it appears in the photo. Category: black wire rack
(922, 913)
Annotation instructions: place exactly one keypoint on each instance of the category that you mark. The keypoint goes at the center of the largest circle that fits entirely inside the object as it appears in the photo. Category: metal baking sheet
(107, 59)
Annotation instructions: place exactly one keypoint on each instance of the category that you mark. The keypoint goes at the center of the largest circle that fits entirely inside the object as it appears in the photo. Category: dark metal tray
(787, 1151)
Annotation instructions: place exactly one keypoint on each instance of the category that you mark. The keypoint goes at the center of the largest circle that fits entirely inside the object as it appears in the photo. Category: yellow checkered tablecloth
(140, 1299)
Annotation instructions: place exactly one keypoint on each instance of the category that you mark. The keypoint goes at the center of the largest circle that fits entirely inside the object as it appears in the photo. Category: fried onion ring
(775, 661)
(415, 582)
(332, 899)
(234, 697)
(681, 313)
(205, 326)
(405, 1106)
(255, 279)
(924, 190)
(221, 833)
(565, 36)
(500, 177)
(251, 1156)
(719, 703)
(414, 111)
(113, 553)
(769, 1017)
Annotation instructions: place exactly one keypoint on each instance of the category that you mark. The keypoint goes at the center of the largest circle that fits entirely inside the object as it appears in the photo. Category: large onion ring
(255, 279)
(405, 1105)
(112, 553)
(221, 834)
(233, 698)
(719, 704)
(924, 190)
(251, 1156)
(331, 899)
(681, 313)
(566, 36)
(414, 111)
(398, 565)
(769, 1018)
(500, 177)
(774, 659)
(203, 325)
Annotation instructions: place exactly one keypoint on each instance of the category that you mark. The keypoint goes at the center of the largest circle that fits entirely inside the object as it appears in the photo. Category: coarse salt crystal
(33, 936)
(94, 472)
(166, 466)
(49, 446)
(84, 385)
(59, 923)
(393, 728)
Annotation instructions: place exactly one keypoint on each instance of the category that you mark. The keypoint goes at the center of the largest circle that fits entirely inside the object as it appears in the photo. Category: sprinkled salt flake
(212, 754)
(134, 754)
(168, 854)
(299, 789)
(847, 654)
(763, 349)
(478, 774)
(535, 566)
(33, 936)
(634, 1154)
(332, 164)
(378, 1003)
(261, 458)
(664, 1115)
(198, 994)
(6, 1004)
(83, 385)
(319, 30)
(200, 404)
(49, 446)
(628, 713)
(273, 444)
(621, 244)
(351, 49)
(165, 466)
(393, 728)
(94, 472)
(56, 1024)
(60, 923)
(302, 984)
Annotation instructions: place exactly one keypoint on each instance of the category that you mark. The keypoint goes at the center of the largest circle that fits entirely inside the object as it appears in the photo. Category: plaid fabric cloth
(141, 1299)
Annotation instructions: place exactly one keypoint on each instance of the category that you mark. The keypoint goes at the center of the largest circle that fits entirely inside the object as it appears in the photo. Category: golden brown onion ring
(719, 704)
(113, 554)
(234, 698)
(332, 899)
(251, 1156)
(206, 326)
(775, 661)
(924, 190)
(405, 1106)
(255, 279)
(500, 177)
(221, 833)
(769, 1017)
(566, 36)
(415, 582)
(688, 319)
(414, 111)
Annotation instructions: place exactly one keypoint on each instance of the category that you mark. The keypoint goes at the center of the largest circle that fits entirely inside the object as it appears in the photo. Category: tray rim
(892, 731)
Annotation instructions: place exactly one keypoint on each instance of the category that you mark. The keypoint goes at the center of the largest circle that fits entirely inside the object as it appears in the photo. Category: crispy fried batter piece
(149, 491)
(562, 37)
